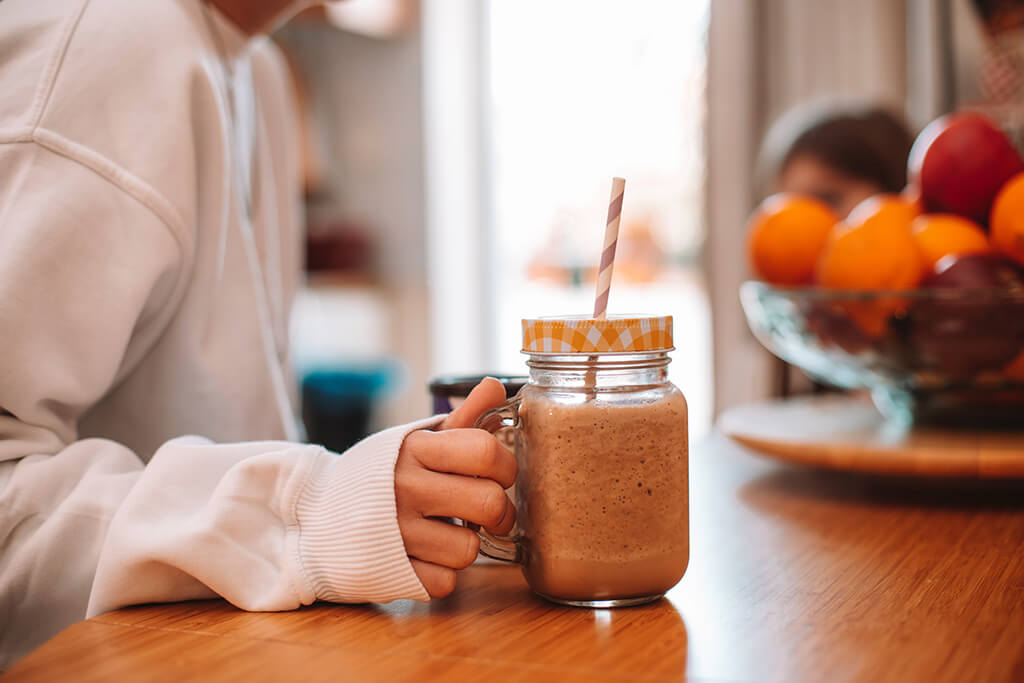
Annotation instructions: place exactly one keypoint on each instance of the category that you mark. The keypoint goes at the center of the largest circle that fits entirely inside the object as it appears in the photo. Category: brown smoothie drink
(603, 496)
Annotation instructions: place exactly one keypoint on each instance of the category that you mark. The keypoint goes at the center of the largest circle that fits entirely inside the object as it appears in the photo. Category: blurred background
(458, 156)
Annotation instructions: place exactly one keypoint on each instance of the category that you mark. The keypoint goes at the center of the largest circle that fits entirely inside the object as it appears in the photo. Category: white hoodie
(139, 304)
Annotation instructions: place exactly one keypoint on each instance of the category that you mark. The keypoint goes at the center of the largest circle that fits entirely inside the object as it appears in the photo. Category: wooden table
(795, 574)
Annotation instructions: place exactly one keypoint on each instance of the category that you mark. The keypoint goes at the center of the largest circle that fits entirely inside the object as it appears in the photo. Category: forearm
(266, 525)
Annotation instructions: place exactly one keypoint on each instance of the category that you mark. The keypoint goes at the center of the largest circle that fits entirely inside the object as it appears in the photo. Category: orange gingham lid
(580, 334)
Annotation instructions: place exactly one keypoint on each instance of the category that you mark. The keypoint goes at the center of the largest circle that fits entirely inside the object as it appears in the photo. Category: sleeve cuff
(350, 546)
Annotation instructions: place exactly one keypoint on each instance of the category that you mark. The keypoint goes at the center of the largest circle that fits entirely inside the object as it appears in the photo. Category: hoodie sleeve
(267, 526)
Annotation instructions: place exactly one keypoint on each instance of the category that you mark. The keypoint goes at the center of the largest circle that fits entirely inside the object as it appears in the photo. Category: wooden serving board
(846, 433)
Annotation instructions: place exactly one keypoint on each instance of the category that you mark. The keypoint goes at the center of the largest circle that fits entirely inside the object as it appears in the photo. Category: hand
(459, 472)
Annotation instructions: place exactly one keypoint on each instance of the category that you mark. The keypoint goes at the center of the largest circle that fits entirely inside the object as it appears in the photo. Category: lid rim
(561, 335)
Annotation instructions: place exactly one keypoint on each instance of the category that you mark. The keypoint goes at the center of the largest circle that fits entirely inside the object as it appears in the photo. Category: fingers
(504, 525)
(440, 543)
(454, 472)
(420, 492)
(438, 581)
(471, 452)
(487, 395)
(480, 501)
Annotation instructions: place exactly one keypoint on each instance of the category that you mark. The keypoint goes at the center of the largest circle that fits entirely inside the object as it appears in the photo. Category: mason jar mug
(600, 438)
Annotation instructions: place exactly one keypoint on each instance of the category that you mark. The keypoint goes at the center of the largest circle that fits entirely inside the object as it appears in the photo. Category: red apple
(959, 162)
(977, 330)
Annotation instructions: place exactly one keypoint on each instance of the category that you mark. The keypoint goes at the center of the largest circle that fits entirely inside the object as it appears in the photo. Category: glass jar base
(605, 604)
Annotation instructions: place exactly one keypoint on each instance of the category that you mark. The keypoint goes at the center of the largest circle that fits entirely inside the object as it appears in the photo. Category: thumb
(489, 394)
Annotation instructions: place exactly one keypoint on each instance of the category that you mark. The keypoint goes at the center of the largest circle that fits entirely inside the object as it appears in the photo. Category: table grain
(795, 575)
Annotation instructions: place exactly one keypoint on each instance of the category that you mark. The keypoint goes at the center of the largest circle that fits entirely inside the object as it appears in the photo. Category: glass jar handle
(504, 548)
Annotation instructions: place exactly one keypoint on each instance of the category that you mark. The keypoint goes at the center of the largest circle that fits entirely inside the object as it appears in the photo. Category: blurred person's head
(840, 153)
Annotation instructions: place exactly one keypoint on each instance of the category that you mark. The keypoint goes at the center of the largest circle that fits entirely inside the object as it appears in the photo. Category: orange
(785, 236)
(1006, 222)
(873, 249)
(940, 235)
(872, 317)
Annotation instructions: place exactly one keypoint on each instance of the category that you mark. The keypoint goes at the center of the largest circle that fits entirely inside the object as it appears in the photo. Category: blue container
(337, 403)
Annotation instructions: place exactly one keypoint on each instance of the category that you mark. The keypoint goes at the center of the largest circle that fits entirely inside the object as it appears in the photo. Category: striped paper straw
(611, 238)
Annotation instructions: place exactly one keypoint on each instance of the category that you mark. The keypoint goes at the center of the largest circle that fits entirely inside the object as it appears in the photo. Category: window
(575, 92)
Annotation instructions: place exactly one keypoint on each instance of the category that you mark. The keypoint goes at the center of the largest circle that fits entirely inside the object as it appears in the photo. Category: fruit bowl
(937, 355)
